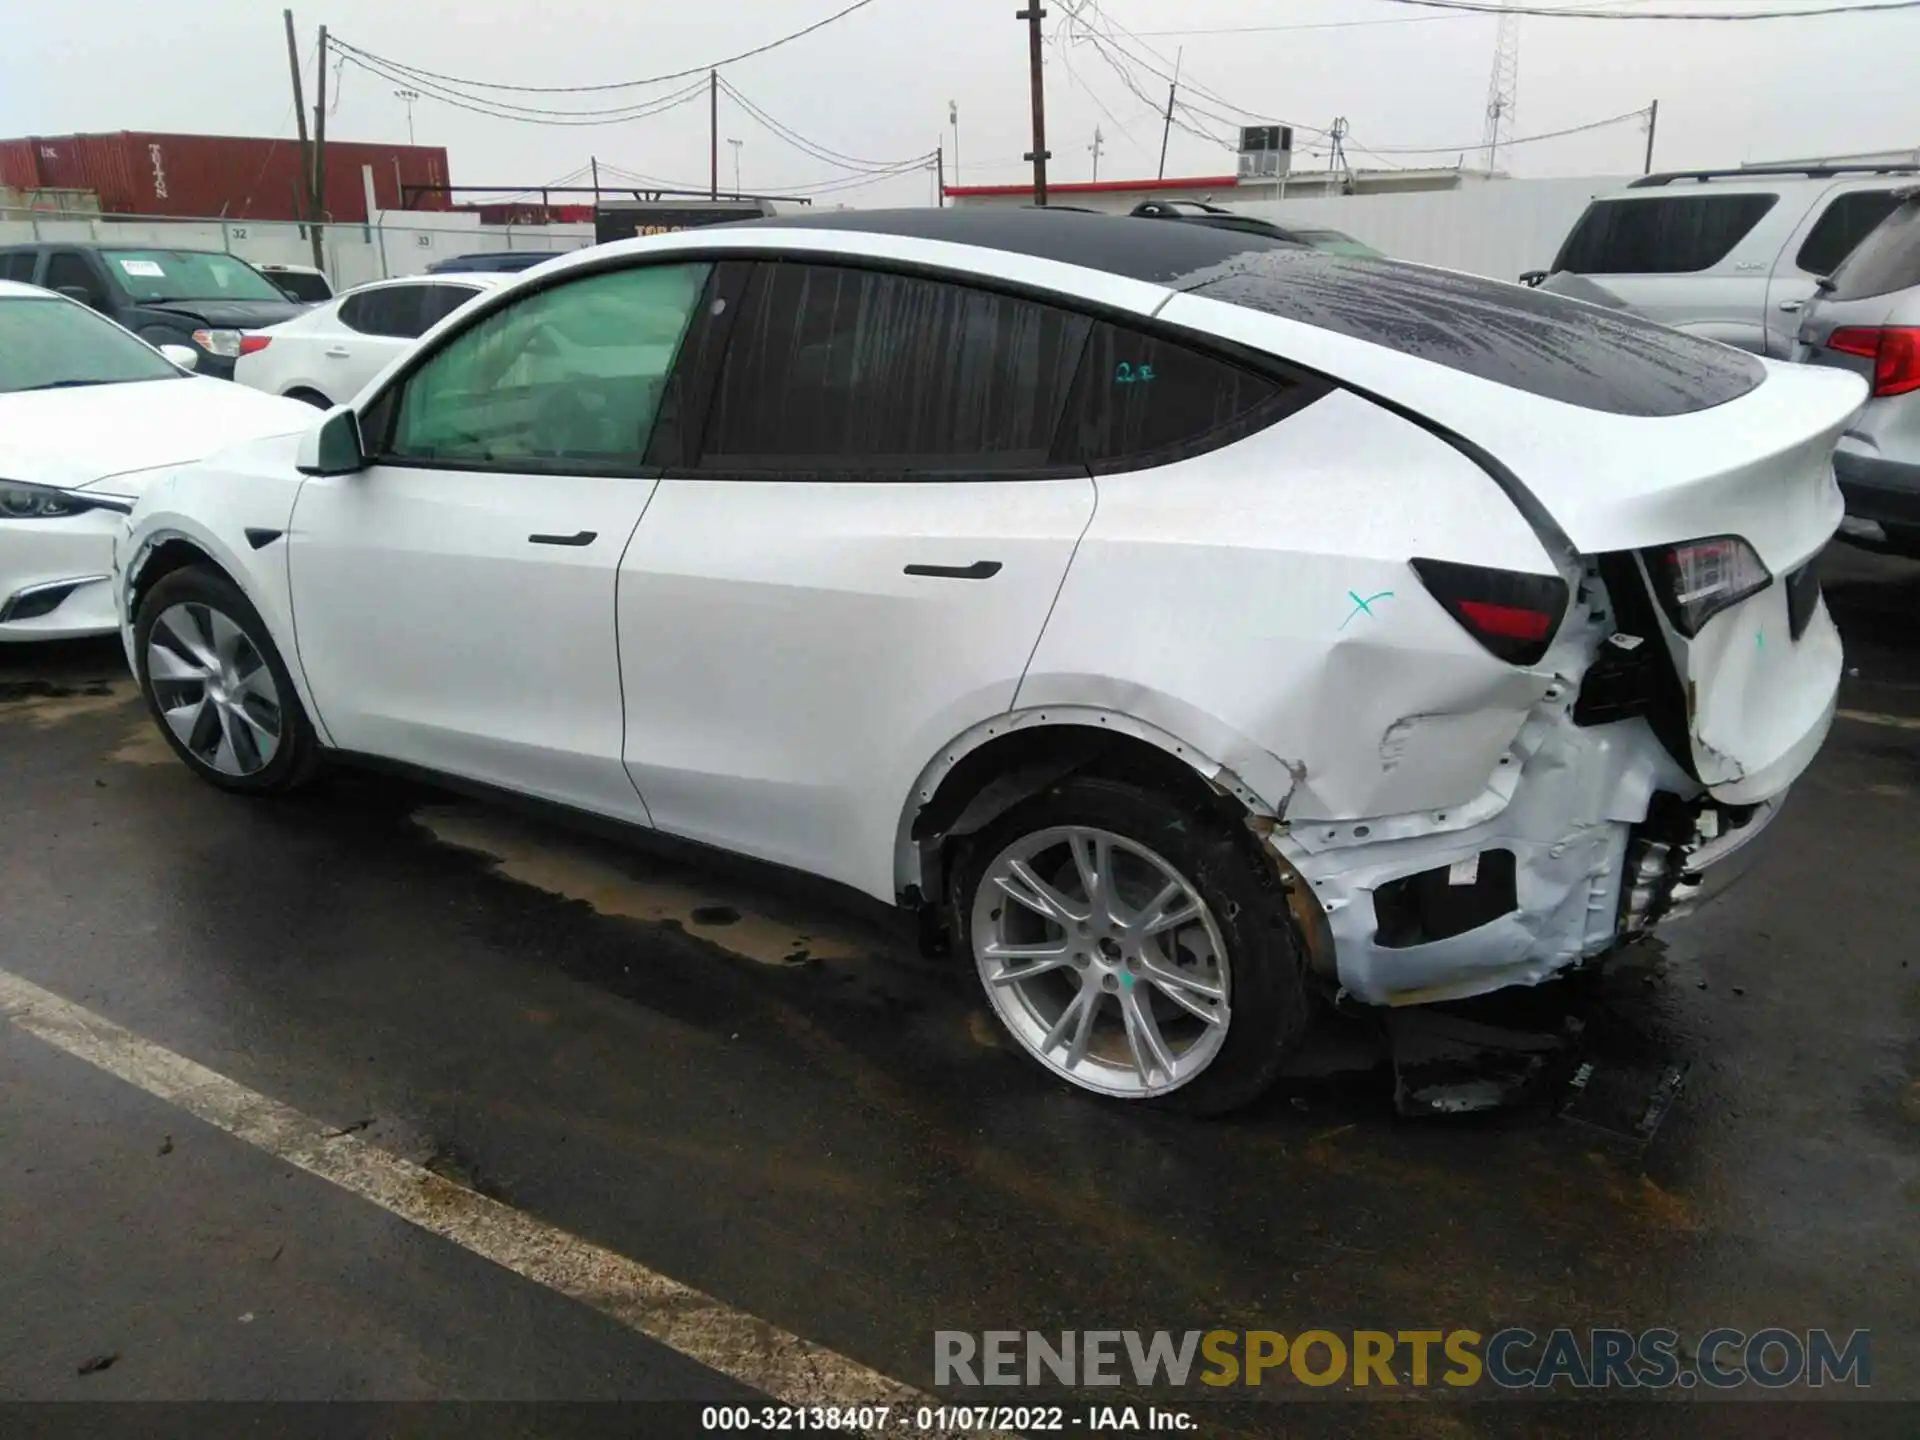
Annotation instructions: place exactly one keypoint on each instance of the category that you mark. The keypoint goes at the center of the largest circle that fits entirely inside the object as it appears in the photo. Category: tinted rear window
(1660, 234)
(1843, 225)
(1540, 343)
(1887, 260)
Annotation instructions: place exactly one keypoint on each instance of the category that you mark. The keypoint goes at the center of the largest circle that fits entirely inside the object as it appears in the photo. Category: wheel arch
(994, 765)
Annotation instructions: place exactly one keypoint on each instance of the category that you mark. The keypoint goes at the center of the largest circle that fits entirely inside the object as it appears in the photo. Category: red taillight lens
(254, 344)
(1514, 615)
(1697, 579)
(1894, 350)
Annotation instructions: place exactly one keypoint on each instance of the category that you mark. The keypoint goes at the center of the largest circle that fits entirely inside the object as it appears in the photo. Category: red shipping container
(219, 176)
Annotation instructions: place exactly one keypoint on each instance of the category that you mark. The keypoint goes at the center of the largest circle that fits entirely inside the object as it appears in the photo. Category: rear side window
(1842, 226)
(17, 266)
(1140, 397)
(1661, 234)
(392, 311)
(302, 286)
(1529, 340)
(440, 301)
(857, 371)
(1886, 261)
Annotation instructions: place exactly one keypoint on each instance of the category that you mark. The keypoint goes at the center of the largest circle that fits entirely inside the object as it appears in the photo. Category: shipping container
(221, 176)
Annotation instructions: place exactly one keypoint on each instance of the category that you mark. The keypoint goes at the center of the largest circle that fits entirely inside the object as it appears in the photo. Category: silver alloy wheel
(213, 688)
(1103, 960)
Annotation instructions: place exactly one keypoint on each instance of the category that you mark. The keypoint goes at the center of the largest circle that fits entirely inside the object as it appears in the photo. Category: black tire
(1272, 1003)
(296, 757)
(309, 397)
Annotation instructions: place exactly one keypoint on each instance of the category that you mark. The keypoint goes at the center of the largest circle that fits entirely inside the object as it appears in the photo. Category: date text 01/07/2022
(938, 1420)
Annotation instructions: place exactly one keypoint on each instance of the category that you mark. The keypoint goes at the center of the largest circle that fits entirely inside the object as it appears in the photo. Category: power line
(1640, 114)
(528, 116)
(810, 147)
(699, 69)
(1488, 7)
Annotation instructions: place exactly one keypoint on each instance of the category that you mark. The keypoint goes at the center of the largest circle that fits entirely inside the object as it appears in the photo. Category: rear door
(1828, 233)
(852, 560)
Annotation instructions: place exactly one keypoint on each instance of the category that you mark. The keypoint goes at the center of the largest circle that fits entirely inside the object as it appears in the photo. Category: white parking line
(696, 1325)
(1880, 717)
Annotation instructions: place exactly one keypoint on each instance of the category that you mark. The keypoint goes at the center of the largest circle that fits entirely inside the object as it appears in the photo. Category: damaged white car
(1187, 624)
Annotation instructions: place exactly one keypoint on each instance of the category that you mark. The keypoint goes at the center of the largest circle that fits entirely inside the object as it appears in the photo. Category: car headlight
(35, 502)
(225, 343)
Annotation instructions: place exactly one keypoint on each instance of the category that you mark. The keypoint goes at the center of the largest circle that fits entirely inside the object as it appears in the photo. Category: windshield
(188, 275)
(1336, 242)
(52, 344)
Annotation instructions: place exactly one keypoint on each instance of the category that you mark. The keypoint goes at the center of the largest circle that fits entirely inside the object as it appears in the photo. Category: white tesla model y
(1189, 623)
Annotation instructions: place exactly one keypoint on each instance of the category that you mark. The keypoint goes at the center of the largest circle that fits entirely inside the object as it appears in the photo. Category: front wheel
(217, 686)
(1133, 947)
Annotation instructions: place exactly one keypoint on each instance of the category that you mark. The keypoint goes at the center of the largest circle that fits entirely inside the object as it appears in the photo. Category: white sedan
(330, 353)
(1189, 625)
(88, 413)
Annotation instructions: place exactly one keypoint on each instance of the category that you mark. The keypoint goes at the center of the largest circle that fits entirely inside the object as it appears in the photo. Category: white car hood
(84, 436)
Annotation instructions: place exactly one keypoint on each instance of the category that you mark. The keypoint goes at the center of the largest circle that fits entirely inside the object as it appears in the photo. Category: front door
(454, 604)
(855, 564)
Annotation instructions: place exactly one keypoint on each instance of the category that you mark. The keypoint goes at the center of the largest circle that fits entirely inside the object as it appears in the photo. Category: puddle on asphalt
(44, 704)
(143, 745)
(576, 871)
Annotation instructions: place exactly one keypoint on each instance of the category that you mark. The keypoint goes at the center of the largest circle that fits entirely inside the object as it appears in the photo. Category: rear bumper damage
(1585, 837)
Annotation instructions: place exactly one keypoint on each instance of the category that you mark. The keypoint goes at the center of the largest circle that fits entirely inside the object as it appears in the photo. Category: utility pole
(1098, 141)
(1653, 123)
(713, 137)
(1166, 126)
(593, 164)
(1503, 85)
(940, 171)
(406, 98)
(1039, 155)
(953, 119)
(303, 195)
(736, 144)
(320, 155)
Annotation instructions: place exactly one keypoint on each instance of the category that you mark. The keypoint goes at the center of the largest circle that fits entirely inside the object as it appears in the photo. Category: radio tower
(1502, 86)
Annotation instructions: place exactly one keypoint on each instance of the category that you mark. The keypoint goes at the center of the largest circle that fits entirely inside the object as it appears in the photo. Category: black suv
(199, 298)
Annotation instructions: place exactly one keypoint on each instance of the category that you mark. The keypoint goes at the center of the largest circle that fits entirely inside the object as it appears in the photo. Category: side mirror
(185, 356)
(1533, 277)
(81, 293)
(332, 446)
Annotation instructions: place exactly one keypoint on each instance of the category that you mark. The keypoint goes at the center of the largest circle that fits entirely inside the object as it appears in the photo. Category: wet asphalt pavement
(779, 1102)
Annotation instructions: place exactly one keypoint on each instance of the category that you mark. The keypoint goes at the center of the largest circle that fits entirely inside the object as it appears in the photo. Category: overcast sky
(876, 85)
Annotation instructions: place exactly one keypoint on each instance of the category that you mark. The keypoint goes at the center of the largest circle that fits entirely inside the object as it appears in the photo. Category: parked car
(1867, 319)
(303, 283)
(1429, 635)
(88, 415)
(202, 299)
(329, 354)
(504, 262)
(1198, 212)
(1731, 255)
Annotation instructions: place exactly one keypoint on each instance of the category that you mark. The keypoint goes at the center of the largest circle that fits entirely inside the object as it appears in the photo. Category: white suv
(1183, 621)
(1732, 255)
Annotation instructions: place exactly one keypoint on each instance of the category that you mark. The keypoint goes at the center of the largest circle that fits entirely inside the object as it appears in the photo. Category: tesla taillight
(1696, 580)
(1894, 350)
(1513, 614)
(254, 344)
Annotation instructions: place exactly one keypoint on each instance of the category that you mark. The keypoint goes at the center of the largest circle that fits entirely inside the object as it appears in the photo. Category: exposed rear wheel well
(310, 396)
(987, 782)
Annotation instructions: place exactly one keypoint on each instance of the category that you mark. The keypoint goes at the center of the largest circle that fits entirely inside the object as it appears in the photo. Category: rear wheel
(217, 686)
(1133, 947)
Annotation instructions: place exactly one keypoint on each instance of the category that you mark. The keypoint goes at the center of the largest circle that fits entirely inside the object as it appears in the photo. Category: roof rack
(1811, 172)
